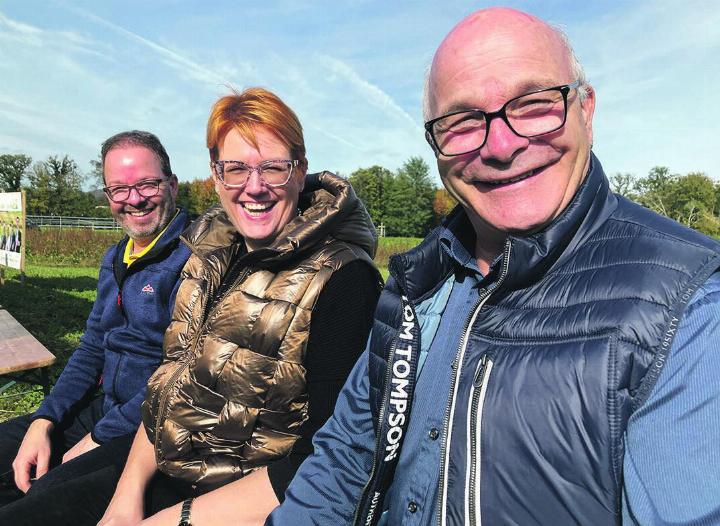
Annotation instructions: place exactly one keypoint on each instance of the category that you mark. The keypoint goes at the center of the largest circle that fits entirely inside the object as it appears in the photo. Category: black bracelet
(185, 512)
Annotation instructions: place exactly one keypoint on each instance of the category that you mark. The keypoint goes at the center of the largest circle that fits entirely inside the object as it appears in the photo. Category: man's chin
(134, 232)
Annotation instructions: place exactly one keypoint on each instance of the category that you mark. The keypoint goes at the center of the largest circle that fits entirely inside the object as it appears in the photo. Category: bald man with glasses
(549, 354)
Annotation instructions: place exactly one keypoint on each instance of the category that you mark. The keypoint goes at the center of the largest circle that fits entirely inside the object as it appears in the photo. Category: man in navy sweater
(75, 431)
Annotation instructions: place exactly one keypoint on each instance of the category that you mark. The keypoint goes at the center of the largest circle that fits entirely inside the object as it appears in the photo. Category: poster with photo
(12, 230)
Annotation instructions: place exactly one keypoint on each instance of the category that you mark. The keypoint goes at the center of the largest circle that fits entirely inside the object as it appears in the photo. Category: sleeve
(329, 483)
(671, 472)
(340, 324)
(85, 366)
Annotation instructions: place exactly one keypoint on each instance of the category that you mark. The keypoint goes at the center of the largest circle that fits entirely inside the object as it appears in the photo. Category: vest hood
(328, 208)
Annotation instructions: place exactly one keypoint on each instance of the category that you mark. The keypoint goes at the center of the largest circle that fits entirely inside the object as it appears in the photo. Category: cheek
(291, 196)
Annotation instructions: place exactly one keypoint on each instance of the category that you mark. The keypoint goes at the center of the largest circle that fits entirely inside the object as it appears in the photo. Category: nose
(255, 184)
(134, 198)
(502, 144)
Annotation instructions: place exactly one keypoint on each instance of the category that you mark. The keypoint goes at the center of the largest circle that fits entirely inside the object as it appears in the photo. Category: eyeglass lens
(236, 173)
(147, 188)
(528, 115)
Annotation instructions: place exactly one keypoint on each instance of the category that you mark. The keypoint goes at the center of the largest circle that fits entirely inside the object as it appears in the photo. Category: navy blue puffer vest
(577, 330)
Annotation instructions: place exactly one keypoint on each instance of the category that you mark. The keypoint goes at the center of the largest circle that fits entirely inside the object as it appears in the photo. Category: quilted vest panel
(235, 397)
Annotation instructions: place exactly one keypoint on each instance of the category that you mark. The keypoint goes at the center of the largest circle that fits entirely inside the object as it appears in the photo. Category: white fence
(99, 223)
(94, 223)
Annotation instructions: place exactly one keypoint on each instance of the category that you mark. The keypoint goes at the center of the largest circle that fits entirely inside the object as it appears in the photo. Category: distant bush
(69, 246)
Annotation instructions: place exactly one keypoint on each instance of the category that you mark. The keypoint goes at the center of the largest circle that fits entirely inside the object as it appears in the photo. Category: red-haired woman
(274, 309)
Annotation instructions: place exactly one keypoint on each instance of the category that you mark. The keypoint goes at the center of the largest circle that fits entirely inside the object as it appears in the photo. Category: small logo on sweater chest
(147, 289)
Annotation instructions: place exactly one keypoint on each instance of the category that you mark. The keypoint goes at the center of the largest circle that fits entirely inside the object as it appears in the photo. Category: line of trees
(54, 186)
(405, 201)
(692, 199)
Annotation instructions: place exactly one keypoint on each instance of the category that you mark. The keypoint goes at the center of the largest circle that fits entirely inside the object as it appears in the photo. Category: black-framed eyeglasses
(120, 193)
(236, 174)
(529, 115)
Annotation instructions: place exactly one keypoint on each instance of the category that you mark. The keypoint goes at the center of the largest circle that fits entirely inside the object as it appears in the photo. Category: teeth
(513, 180)
(257, 208)
(139, 213)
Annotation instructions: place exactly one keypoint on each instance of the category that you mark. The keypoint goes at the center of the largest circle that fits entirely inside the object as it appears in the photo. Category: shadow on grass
(80, 283)
(45, 308)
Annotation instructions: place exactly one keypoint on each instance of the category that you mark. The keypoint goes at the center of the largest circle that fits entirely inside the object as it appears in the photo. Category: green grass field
(52, 304)
(59, 291)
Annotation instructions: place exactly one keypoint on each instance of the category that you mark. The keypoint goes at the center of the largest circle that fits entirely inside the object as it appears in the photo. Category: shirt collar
(457, 239)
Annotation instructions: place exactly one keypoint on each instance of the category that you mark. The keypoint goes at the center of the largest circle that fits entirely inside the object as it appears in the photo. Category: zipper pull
(119, 299)
(480, 373)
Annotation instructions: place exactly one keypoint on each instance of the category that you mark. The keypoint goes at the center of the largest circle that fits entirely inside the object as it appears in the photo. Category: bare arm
(126, 506)
(244, 502)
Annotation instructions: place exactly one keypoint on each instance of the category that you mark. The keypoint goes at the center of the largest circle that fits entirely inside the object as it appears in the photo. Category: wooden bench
(21, 355)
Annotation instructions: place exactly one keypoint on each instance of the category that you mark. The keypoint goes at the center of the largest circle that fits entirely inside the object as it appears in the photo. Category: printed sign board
(12, 230)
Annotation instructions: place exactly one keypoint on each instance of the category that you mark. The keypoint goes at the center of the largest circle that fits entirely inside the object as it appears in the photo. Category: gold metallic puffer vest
(230, 395)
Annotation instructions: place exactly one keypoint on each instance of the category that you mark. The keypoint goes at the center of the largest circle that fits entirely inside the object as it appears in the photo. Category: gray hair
(576, 68)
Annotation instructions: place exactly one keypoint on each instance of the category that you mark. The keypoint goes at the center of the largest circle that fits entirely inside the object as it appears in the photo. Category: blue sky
(74, 73)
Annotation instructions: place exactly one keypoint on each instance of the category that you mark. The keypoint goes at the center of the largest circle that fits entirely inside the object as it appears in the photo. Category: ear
(173, 186)
(301, 174)
(216, 182)
(587, 107)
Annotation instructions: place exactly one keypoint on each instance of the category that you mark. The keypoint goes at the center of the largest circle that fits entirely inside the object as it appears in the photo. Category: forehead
(481, 66)
(129, 164)
(234, 146)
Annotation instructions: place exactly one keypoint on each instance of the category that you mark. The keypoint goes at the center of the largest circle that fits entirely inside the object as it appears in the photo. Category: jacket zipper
(184, 360)
(120, 304)
(457, 368)
(477, 398)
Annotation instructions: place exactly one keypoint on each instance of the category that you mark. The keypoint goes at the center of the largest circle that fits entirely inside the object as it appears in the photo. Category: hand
(34, 451)
(86, 444)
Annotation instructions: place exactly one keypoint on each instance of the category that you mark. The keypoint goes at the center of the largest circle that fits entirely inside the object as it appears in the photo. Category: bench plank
(20, 350)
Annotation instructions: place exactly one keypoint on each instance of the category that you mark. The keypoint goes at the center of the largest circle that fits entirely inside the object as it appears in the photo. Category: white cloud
(171, 58)
(370, 92)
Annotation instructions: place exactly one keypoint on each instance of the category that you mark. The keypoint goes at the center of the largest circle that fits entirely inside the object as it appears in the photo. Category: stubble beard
(165, 212)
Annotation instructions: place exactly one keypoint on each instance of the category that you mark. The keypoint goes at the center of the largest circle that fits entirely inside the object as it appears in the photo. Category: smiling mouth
(257, 209)
(139, 213)
(504, 182)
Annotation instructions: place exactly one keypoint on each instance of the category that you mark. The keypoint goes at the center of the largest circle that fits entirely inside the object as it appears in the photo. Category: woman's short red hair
(251, 108)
